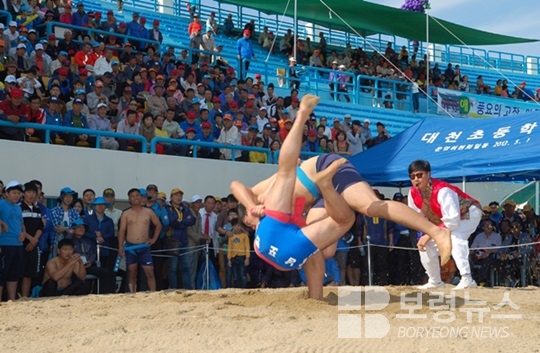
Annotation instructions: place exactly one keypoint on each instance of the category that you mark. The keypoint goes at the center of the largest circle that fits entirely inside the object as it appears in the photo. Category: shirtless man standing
(65, 274)
(134, 230)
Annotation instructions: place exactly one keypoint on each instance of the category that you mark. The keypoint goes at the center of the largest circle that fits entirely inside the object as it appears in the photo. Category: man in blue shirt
(245, 52)
(134, 30)
(11, 237)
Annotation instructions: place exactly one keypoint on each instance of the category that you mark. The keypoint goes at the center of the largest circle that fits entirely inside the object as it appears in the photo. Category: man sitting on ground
(65, 274)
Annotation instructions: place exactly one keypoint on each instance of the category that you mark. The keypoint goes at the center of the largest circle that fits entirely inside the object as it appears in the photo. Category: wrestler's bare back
(260, 191)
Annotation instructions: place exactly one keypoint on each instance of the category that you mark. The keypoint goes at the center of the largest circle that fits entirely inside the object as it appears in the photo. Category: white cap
(101, 105)
(367, 121)
(22, 45)
(39, 46)
(10, 79)
(342, 66)
(32, 31)
(13, 184)
(2, 26)
(347, 116)
(195, 198)
(263, 108)
(292, 59)
(13, 24)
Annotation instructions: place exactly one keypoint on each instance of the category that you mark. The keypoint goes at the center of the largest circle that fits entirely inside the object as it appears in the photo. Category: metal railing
(48, 129)
(203, 144)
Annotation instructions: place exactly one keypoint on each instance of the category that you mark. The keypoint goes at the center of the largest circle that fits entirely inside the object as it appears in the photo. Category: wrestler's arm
(244, 194)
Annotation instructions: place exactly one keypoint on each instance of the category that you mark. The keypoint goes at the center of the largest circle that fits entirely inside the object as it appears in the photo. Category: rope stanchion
(207, 272)
(370, 273)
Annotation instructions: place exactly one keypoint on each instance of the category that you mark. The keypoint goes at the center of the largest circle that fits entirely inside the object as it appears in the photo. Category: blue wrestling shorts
(281, 243)
(345, 176)
(141, 255)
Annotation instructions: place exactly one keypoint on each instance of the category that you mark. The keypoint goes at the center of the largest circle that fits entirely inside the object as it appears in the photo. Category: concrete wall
(80, 168)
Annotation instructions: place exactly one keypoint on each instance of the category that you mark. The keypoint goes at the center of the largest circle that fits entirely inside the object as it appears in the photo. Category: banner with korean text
(467, 105)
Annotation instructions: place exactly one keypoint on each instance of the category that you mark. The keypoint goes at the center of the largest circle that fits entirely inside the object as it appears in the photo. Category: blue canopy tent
(495, 149)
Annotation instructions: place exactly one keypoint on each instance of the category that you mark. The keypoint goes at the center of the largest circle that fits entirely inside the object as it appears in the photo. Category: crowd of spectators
(74, 230)
(106, 83)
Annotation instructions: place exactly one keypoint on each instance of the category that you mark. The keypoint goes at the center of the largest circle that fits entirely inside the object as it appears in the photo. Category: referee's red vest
(436, 186)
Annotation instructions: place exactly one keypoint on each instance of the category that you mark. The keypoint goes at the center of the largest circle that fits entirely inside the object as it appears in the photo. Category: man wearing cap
(57, 63)
(13, 109)
(41, 60)
(19, 56)
(80, 17)
(509, 212)
(355, 138)
(101, 230)
(194, 26)
(100, 121)
(195, 235)
(245, 52)
(109, 25)
(230, 135)
(67, 16)
(176, 238)
(134, 30)
(76, 118)
(155, 33)
(111, 211)
(63, 215)
(13, 234)
(52, 48)
(96, 97)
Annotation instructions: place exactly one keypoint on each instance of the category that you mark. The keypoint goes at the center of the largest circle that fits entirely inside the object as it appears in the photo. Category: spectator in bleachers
(113, 113)
(211, 23)
(13, 109)
(355, 138)
(195, 25)
(134, 29)
(196, 42)
(67, 16)
(128, 125)
(147, 128)
(464, 84)
(382, 135)
(228, 24)
(315, 59)
(79, 18)
(145, 33)
(156, 34)
(513, 257)
(230, 135)
(341, 143)
(366, 132)
(245, 52)
(269, 42)
(322, 45)
(209, 45)
(110, 24)
(100, 122)
(76, 118)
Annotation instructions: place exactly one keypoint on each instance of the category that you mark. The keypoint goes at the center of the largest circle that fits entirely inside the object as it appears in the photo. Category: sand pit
(260, 320)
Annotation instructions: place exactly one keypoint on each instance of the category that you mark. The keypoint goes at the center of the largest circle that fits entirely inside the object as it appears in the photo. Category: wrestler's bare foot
(308, 103)
(444, 244)
(324, 177)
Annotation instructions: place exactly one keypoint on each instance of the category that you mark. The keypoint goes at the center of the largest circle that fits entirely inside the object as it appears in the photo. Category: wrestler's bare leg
(362, 199)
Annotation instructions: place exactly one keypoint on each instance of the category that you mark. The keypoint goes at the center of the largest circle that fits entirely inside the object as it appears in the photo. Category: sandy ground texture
(266, 320)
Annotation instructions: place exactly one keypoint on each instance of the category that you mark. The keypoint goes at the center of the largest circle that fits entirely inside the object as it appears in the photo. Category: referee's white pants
(460, 248)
